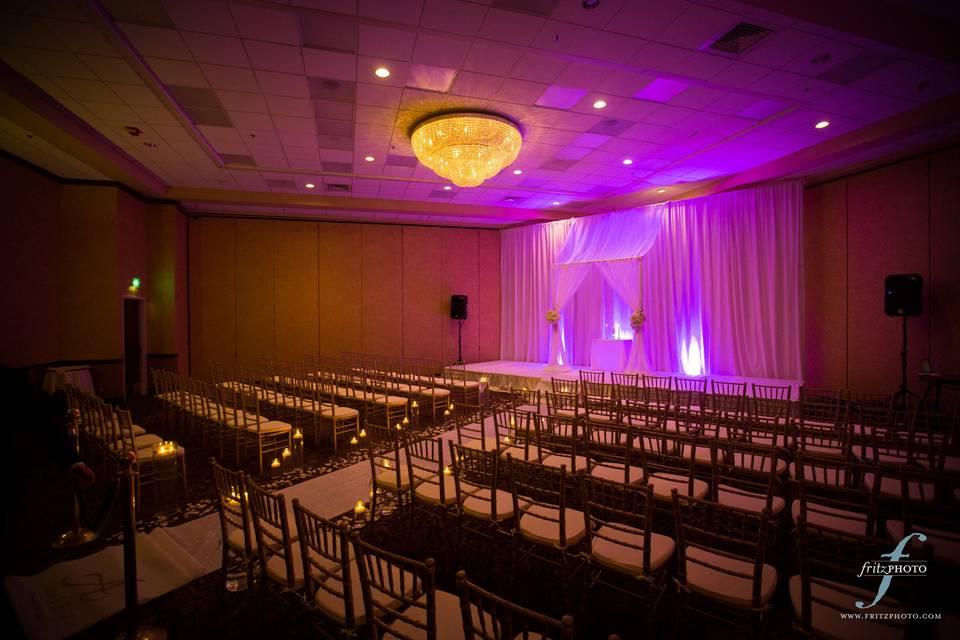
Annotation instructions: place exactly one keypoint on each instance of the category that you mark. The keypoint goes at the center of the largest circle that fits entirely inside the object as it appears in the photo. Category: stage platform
(503, 374)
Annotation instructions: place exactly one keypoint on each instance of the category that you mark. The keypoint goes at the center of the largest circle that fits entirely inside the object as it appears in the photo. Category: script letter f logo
(893, 556)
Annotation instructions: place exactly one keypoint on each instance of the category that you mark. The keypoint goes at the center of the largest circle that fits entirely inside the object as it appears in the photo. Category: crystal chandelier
(466, 148)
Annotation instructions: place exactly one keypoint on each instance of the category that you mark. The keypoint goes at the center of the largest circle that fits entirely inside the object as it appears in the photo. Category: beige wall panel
(382, 290)
(461, 276)
(339, 282)
(213, 296)
(944, 281)
(424, 309)
(297, 308)
(255, 290)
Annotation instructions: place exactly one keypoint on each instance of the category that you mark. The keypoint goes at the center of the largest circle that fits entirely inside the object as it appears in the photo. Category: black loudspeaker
(903, 294)
(458, 307)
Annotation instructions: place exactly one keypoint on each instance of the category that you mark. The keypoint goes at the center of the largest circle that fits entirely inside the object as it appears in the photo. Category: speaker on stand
(903, 297)
(458, 311)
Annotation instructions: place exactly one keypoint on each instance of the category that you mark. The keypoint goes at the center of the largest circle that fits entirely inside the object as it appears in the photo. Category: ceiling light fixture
(382, 72)
(627, 161)
(600, 104)
(310, 185)
(590, 4)
(368, 158)
(447, 188)
(823, 124)
(466, 148)
(555, 203)
(517, 172)
(661, 190)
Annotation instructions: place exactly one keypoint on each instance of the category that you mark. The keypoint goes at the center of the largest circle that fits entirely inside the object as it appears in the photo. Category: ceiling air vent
(343, 188)
(740, 38)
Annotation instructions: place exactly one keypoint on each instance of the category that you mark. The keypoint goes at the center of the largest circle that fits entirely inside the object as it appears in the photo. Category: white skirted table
(609, 355)
(56, 377)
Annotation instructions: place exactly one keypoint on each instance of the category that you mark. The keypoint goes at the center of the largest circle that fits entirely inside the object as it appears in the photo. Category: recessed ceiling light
(627, 161)
(447, 188)
(382, 72)
(590, 4)
(823, 124)
(368, 158)
(555, 203)
(661, 190)
(310, 185)
(517, 172)
(599, 104)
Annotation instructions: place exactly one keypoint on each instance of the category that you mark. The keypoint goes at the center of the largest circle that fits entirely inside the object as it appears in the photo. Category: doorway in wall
(134, 347)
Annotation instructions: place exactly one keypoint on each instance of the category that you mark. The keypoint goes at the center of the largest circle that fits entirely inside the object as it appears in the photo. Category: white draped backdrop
(719, 281)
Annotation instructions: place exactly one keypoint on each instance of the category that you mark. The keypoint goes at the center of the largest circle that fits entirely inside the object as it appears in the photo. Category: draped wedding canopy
(720, 284)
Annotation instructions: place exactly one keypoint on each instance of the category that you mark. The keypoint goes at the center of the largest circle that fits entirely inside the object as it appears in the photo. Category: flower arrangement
(552, 316)
(637, 319)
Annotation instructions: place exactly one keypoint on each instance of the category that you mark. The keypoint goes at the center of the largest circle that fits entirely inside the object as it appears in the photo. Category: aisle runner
(70, 596)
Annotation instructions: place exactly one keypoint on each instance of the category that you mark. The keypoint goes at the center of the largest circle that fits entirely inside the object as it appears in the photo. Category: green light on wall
(134, 283)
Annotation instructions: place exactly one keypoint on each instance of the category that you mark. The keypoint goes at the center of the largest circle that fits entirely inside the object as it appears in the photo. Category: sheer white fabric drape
(624, 276)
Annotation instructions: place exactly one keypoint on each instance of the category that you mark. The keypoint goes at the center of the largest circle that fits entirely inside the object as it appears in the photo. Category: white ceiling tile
(333, 110)
(422, 76)
(88, 90)
(780, 47)
(383, 42)
(378, 95)
(216, 49)
(453, 16)
(583, 75)
(201, 15)
(476, 85)
(57, 63)
(822, 57)
(520, 91)
(698, 26)
(286, 106)
(157, 42)
(597, 17)
(81, 37)
(491, 59)
(289, 124)
(539, 68)
(254, 121)
(612, 47)
(283, 84)
(509, 26)
(112, 69)
(646, 19)
(178, 72)
(403, 11)
(112, 112)
(741, 75)
(563, 37)
(319, 63)
(559, 97)
(270, 25)
(230, 78)
(242, 101)
(440, 51)
(366, 66)
(136, 95)
(274, 57)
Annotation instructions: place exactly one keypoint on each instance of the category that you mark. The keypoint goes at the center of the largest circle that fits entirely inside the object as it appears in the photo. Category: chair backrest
(476, 468)
(728, 388)
(470, 421)
(658, 392)
(516, 429)
(487, 616)
(744, 467)
(384, 451)
(670, 452)
(562, 385)
(612, 508)
(772, 391)
(232, 504)
(825, 486)
(426, 462)
(272, 528)
(728, 530)
(609, 443)
(537, 485)
(388, 579)
(326, 560)
(625, 379)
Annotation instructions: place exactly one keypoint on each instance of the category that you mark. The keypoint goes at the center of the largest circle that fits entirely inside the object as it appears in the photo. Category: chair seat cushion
(387, 478)
(621, 548)
(448, 618)
(615, 472)
(338, 413)
(946, 544)
(139, 431)
(890, 486)
(748, 500)
(334, 606)
(664, 483)
(717, 585)
(235, 541)
(389, 401)
(429, 491)
(276, 568)
(478, 505)
(827, 621)
(271, 427)
(758, 463)
(831, 517)
(541, 524)
(433, 392)
(573, 465)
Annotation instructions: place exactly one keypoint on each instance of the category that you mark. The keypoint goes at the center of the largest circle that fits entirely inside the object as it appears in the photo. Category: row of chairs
(331, 571)
(716, 552)
(106, 433)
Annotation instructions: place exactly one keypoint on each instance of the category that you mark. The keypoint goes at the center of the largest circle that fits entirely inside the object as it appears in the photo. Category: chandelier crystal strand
(466, 148)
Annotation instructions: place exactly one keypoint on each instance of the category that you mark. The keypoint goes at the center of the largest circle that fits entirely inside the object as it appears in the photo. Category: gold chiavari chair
(609, 452)
(238, 541)
(486, 616)
(280, 556)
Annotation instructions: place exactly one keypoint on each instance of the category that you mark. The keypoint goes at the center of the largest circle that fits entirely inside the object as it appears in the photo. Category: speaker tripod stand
(459, 342)
(902, 396)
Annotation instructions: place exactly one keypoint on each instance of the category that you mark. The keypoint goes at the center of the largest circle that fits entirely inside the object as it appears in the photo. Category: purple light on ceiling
(661, 90)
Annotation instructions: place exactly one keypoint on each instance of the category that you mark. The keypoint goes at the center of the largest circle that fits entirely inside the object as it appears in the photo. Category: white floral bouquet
(637, 320)
(552, 316)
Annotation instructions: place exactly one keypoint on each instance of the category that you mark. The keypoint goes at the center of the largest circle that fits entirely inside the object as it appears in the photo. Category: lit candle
(286, 452)
(405, 421)
(359, 508)
(298, 434)
(513, 422)
(483, 379)
(450, 407)
(446, 413)
(275, 467)
(354, 440)
(447, 471)
(363, 433)
(398, 427)
(414, 405)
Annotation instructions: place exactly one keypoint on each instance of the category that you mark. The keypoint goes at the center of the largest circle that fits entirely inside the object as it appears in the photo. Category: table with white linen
(56, 377)
(609, 355)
